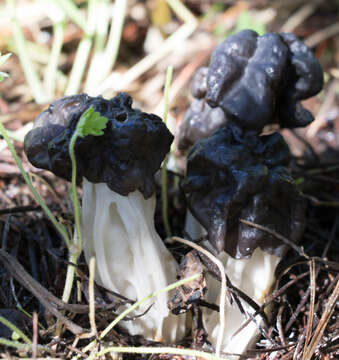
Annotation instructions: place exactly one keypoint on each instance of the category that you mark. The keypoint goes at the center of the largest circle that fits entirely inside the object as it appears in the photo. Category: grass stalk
(27, 66)
(113, 43)
(52, 66)
(170, 287)
(157, 350)
(104, 61)
(164, 194)
(12, 327)
(19, 346)
(76, 246)
(72, 12)
(59, 227)
(83, 51)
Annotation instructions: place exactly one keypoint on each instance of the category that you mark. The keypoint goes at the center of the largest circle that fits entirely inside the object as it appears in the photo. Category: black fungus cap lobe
(125, 157)
(235, 175)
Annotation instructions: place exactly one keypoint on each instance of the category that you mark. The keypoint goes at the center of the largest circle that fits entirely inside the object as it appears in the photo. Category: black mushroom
(235, 175)
(253, 81)
(118, 201)
(258, 80)
(126, 157)
(200, 119)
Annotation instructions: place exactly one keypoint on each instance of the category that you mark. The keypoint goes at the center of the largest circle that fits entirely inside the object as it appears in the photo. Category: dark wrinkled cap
(258, 80)
(305, 79)
(126, 157)
(236, 175)
(200, 120)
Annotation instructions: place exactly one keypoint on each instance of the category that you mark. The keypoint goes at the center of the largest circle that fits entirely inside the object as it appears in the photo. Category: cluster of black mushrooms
(236, 168)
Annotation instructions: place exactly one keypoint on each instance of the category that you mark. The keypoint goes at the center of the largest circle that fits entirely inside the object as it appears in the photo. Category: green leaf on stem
(91, 123)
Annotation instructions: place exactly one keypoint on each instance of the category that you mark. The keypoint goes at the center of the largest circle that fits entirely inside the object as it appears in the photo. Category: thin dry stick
(311, 311)
(221, 268)
(35, 335)
(320, 119)
(322, 35)
(299, 16)
(48, 300)
(298, 249)
(91, 296)
(318, 333)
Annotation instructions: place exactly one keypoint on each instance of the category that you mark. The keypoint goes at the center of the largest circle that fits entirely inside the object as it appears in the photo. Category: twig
(48, 300)
(298, 249)
(311, 310)
(159, 350)
(35, 335)
(221, 268)
(299, 16)
(20, 209)
(318, 333)
(91, 296)
(164, 193)
(322, 35)
(320, 119)
(123, 315)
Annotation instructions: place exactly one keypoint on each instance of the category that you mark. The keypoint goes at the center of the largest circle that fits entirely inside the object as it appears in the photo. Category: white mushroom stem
(255, 277)
(131, 259)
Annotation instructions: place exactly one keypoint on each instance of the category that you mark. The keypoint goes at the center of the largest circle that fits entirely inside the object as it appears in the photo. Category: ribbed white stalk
(131, 259)
(254, 276)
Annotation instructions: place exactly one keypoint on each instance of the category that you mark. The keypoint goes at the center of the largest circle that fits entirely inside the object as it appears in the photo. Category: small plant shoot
(91, 123)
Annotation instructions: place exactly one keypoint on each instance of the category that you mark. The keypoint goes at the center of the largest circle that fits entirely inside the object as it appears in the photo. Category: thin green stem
(75, 200)
(170, 287)
(140, 302)
(76, 246)
(60, 228)
(11, 326)
(27, 66)
(20, 346)
(164, 195)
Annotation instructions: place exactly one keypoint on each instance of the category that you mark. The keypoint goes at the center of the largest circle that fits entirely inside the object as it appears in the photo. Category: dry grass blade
(298, 249)
(91, 296)
(311, 311)
(48, 300)
(318, 332)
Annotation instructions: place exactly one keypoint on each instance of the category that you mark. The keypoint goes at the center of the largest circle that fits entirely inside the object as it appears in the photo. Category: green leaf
(91, 123)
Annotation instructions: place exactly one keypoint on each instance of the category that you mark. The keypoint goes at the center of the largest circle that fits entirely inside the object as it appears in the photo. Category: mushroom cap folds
(125, 157)
(259, 80)
(236, 175)
(200, 119)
